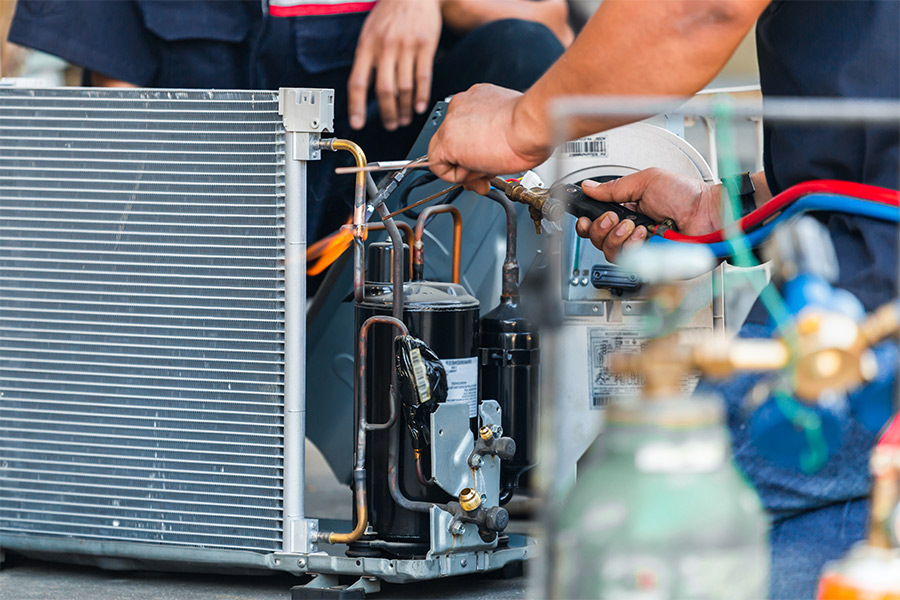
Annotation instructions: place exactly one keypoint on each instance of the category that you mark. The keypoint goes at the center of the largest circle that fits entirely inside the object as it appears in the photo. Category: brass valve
(469, 499)
(540, 205)
(828, 351)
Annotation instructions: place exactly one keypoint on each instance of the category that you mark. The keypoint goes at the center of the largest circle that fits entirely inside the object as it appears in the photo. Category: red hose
(781, 201)
(891, 435)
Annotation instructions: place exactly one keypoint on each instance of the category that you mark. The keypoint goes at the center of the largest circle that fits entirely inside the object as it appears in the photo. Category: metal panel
(142, 316)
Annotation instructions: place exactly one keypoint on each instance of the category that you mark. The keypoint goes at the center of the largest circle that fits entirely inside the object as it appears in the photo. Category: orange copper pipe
(419, 246)
(359, 212)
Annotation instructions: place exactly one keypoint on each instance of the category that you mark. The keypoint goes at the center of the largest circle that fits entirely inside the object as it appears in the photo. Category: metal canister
(509, 372)
(444, 316)
(659, 510)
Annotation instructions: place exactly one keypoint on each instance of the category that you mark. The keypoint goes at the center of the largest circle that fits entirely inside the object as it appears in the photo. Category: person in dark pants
(239, 44)
(845, 49)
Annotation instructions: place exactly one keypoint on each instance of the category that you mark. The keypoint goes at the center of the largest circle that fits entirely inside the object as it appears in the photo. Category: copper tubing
(393, 477)
(419, 246)
(359, 472)
(420, 475)
(361, 373)
(510, 288)
(359, 212)
(407, 230)
(396, 271)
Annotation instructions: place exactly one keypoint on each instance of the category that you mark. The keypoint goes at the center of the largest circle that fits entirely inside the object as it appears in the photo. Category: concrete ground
(28, 579)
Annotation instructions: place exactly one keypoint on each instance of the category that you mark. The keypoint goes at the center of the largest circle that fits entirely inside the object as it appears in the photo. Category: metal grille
(141, 316)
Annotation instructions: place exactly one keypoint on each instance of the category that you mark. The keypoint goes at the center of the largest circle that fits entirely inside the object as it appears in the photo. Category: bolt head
(457, 528)
(497, 430)
(301, 562)
(477, 461)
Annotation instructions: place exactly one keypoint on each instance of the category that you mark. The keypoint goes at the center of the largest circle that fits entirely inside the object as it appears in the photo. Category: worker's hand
(398, 41)
(484, 133)
(693, 204)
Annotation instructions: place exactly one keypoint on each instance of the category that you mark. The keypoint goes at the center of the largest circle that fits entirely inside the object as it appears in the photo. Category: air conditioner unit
(152, 332)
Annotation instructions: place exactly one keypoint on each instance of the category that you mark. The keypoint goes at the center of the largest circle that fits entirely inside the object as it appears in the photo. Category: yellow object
(469, 499)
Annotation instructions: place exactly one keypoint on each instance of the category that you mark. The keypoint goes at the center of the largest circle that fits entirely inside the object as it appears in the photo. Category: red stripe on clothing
(310, 10)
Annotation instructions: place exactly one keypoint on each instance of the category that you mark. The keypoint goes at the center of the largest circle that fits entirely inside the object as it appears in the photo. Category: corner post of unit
(306, 114)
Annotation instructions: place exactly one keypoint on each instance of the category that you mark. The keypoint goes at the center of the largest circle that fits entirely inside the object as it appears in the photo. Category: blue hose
(813, 202)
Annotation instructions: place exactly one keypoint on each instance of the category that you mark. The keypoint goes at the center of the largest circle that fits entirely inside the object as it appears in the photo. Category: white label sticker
(594, 147)
(462, 381)
(418, 366)
(603, 342)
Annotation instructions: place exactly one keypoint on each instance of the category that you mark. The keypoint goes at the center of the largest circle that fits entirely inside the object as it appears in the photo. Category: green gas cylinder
(659, 511)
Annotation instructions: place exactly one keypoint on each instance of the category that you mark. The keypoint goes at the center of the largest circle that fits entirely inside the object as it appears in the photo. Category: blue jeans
(816, 517)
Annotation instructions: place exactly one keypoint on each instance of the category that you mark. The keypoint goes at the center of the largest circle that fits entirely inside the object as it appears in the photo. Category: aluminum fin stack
(142, 317)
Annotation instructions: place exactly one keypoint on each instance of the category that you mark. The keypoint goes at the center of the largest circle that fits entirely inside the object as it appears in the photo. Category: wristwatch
(742, 186)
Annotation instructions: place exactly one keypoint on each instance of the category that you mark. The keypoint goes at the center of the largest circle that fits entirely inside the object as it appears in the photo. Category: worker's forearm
(629, 48)
(465, 15)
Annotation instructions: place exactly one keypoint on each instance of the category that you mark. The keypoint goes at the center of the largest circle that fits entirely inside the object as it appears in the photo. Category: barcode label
(591, 146)
(418, 367)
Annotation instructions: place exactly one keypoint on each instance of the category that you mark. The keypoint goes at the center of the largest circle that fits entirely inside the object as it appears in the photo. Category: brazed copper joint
(359, 212)
(419, 245)
(469, 499)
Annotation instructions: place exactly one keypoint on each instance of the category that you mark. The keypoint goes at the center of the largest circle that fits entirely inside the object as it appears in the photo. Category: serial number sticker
(603, 342)
(595, 146)
(462, 381)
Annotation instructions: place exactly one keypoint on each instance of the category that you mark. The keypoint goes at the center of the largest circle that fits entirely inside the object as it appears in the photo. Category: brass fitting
(469, 499)
(540, 204)
(485, 432)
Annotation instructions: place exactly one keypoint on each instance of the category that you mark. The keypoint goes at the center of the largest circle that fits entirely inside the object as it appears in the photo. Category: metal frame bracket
(306, 113)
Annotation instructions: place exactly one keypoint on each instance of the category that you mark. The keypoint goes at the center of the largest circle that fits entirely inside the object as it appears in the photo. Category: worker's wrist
(530, 134)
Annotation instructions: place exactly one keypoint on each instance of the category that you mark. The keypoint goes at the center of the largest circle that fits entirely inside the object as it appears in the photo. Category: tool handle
(580, 205)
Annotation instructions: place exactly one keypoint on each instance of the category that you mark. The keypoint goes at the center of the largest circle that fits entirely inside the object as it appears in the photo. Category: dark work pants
(816, 517)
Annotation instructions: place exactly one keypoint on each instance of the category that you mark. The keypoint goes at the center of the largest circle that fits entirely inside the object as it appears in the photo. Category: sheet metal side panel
(142, 316)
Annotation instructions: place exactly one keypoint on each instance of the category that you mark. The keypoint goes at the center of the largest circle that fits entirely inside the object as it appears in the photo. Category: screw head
(457, 528)
(477, 461)
(497, 430)
(301, 562)
(463, 562)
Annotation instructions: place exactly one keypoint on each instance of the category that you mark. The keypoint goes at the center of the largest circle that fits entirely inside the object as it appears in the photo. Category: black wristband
(742, 186)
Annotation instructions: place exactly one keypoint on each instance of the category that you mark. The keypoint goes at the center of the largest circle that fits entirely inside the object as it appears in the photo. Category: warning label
(462, 381)
(603, 342)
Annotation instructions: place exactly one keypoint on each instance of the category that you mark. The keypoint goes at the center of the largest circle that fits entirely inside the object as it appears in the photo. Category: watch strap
(742, 187)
